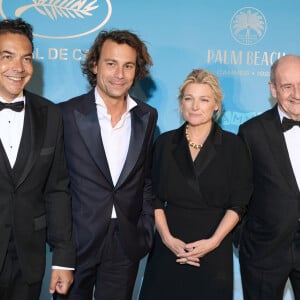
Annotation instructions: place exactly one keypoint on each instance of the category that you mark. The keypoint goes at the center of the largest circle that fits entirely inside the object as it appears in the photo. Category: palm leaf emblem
(247, 21)
(248, 26)
(61, 8)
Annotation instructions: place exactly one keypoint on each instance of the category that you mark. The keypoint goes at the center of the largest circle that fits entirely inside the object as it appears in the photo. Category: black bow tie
(16, 106)
(289, 123)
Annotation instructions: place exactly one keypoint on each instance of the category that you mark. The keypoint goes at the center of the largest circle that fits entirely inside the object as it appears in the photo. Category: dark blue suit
(93, 192)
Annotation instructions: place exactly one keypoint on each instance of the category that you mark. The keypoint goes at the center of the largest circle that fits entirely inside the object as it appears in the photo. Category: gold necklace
(191, 144)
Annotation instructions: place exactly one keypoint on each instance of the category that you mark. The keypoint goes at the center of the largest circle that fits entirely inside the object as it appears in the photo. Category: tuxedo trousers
(13, 285)
(265, 284)
(112, 277)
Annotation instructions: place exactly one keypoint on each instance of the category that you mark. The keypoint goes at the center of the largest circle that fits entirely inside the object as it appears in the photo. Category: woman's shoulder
(168, 136)
(231, 139)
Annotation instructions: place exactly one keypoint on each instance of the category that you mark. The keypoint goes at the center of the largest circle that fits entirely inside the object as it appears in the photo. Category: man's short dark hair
(17, 26)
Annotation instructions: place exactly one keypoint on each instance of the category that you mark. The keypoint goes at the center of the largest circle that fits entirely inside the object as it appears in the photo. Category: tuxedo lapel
(275, 137)
(4, 163)
(88, 126)
(24, 149)
(37, 117)
(139, 122)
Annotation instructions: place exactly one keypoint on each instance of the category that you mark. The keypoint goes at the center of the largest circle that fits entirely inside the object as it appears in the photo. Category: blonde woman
(202, 184)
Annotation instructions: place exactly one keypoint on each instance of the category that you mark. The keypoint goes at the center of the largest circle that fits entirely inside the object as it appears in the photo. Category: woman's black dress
(195, 196)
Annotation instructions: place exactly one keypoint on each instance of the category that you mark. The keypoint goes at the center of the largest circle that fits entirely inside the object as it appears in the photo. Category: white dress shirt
(115, 139)
(11, 127)
(292, 139)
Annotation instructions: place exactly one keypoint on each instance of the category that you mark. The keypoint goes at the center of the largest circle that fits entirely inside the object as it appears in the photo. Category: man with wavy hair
(108, 141)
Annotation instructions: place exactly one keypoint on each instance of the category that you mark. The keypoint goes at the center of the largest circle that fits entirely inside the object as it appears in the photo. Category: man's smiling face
(15, 65)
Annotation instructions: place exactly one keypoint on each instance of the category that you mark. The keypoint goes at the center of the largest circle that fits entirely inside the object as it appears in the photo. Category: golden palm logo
(92, 16)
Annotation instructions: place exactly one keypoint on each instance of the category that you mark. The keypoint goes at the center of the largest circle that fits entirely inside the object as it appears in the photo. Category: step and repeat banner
(237, 40)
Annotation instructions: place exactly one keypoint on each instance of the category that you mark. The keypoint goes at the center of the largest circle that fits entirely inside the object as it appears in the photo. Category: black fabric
(287, 124)
(12, 282)
(24, 150)
(195, 196)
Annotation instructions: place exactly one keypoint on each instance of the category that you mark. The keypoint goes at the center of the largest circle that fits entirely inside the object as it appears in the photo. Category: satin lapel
(88, 126)
(3, 165)
(139, 122)
(38, 119)
(183, 159)
(278, 147)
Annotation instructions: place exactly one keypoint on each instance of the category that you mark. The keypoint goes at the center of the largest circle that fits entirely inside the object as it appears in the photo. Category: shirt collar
(101, 105)
(282, 114)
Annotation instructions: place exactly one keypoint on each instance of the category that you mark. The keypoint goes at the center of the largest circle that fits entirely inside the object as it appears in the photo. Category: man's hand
(61, 280)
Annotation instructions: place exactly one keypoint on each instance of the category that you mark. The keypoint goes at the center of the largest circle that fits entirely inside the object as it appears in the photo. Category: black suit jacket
(35, 203)
(273, 213)
(93, 192)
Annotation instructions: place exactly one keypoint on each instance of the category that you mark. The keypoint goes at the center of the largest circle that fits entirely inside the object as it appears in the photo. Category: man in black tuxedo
(108, 142)
(270, 240)
(35, 203)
